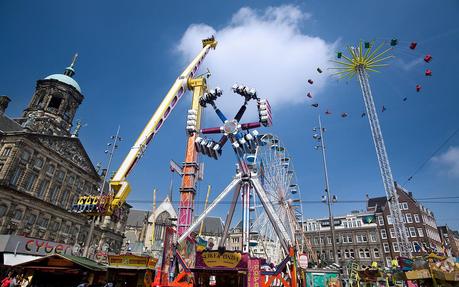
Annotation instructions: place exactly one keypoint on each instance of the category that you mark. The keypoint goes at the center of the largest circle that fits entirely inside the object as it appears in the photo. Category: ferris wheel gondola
(278, 178)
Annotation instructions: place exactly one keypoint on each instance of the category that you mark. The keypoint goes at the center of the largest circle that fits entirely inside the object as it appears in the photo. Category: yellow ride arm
(119, 183)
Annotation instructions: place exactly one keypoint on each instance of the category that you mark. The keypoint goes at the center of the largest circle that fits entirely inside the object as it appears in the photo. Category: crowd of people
(14, 279)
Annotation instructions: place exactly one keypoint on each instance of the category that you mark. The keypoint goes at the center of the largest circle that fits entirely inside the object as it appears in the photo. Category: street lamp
(111, 147)
(327, 198)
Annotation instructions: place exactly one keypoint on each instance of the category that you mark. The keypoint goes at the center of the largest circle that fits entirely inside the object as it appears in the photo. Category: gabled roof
(377, 202)
(80, 261)
(9, 125)
(211, 225)
(137, 217)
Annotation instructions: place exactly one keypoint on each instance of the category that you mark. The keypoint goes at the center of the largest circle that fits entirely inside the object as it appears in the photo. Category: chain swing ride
(264, 171)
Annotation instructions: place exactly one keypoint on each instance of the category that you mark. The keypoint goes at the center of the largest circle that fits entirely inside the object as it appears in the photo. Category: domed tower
(54, 104)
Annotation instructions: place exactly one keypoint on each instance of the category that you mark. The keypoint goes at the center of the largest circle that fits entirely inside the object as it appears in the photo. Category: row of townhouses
(368, 236)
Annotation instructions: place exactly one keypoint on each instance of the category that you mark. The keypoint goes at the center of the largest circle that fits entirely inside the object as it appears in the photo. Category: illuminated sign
(25, 245)
(90, 204)
(225, 259)
(131, 261)
(254, 274)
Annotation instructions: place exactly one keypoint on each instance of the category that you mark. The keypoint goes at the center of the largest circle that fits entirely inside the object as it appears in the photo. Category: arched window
(163, 220)
(361, 253)
(352, 253)
(346, 253)
(376, 253)
(367, 253)
(3, 209)
(17, 214)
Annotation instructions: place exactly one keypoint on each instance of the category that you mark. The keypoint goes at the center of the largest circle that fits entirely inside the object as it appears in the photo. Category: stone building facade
(44, 168)
(419, 221)
(356, 237)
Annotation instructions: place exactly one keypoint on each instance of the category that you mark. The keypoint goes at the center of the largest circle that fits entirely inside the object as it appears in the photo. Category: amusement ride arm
(119, 183)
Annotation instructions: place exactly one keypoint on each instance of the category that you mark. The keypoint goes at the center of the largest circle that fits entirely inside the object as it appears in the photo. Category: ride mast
(358, 63)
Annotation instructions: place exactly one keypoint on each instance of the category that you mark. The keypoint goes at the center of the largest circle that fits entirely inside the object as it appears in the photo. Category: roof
(137, 217)
(378, 202)
(80, 261)
(212, 225)
(64, 79)
(9, 125)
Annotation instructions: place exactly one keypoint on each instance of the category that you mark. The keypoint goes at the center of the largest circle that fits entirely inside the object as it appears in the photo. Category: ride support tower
(358, 63)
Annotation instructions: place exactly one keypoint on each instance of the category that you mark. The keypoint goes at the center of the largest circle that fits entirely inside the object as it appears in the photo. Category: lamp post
(111, 147)
(329, 199)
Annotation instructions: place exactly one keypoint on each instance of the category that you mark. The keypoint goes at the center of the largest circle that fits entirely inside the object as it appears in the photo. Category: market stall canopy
(63, 262)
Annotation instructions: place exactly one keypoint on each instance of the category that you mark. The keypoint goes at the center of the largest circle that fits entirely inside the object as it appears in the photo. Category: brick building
(419, 221)
(356, 235)
(450, 240)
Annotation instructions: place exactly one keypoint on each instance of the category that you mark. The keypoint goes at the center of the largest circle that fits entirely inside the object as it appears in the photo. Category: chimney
(4, 101)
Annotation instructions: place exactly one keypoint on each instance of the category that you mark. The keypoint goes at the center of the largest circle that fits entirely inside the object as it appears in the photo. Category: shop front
(131, 270)
(63, 270)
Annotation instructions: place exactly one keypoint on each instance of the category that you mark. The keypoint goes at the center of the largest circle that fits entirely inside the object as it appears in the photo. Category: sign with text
(227, 259)
(33, 246)
(253, 274)
(326, 223)
(131, 261)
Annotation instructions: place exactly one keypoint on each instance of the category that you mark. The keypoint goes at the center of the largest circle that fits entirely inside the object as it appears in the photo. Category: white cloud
(265, 50)
(449, 160)
(409, 65)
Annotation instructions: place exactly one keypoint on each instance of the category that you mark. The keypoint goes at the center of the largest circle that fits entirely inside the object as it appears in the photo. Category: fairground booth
(64, 270)
(131, 270)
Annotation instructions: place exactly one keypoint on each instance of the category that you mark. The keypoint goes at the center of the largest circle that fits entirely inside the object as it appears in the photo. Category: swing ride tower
(359, 63)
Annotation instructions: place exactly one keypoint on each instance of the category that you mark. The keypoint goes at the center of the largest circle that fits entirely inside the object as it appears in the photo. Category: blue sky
(130, 54)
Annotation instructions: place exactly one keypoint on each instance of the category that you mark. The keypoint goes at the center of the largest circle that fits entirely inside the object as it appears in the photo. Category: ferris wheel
(278, 178)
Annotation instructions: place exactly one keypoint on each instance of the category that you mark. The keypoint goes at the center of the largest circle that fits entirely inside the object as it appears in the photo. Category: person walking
(7, 280)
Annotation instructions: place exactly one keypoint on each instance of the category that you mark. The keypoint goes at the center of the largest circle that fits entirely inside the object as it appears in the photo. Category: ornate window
(54, 193)
(60, 175)
(31, 219)
(16, 176)
(163, 220)
(30, 182)
(367, 253)
(50, 169)
(43, 221)
(55, 226)
(71, 180)
(38, 163)
(25, 155)
(65, 198)
(17, 214)
(6, 151)
(3, 209)
(42, 188)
